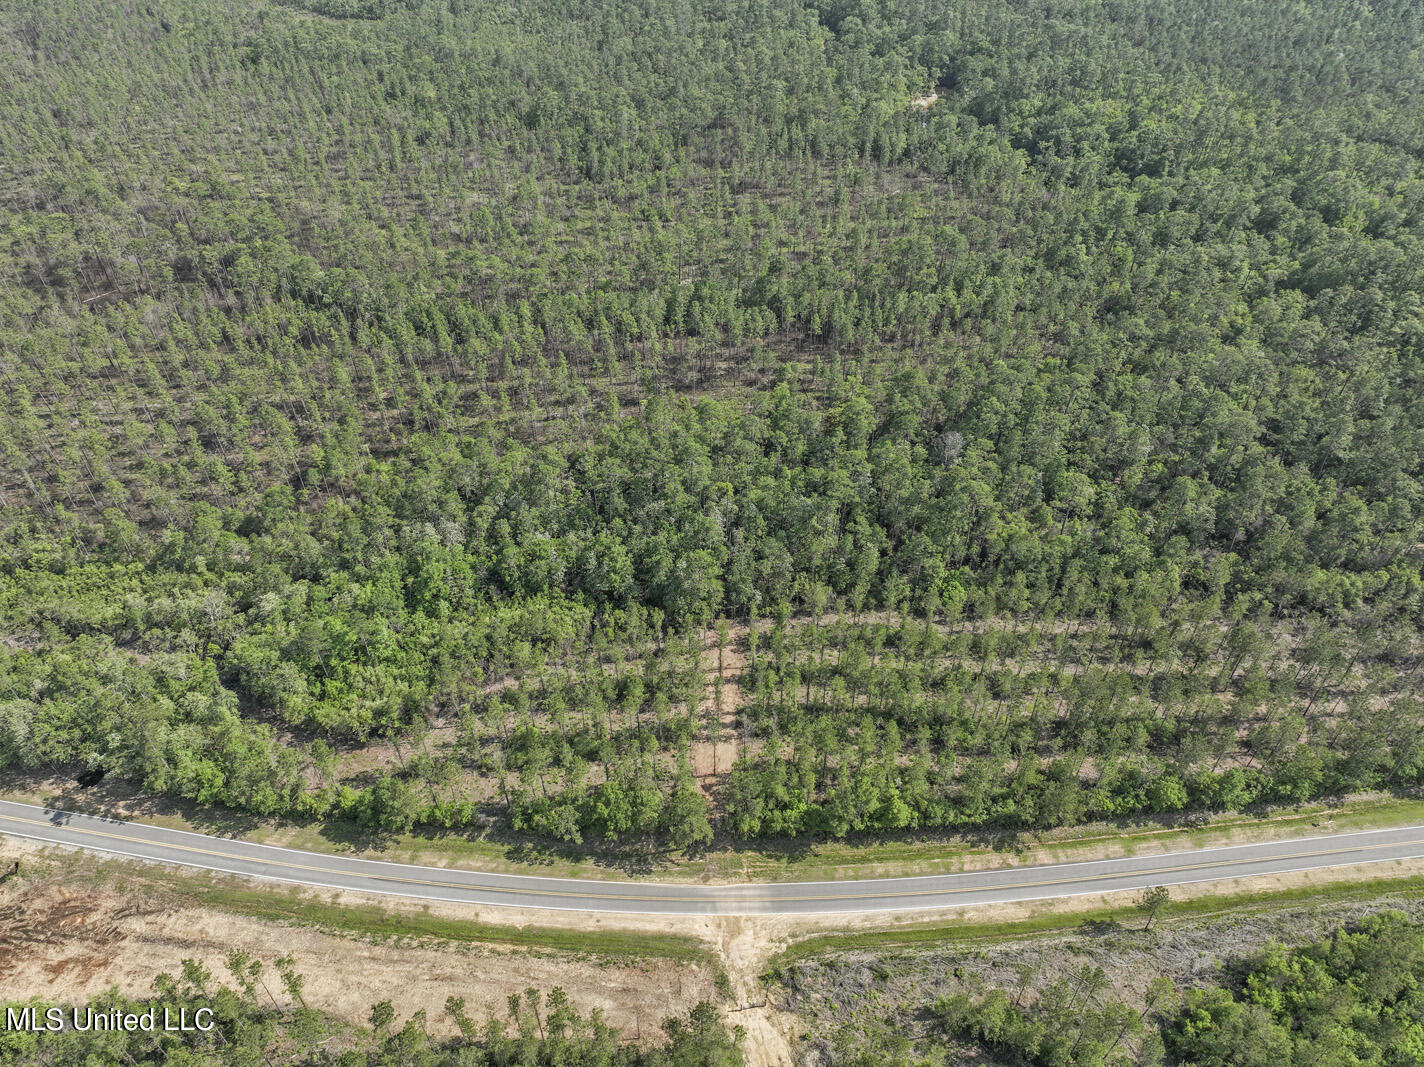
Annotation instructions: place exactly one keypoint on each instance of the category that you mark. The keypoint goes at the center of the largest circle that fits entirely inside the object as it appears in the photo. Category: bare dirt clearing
(68, 942)
(714, 753)
(745, 946)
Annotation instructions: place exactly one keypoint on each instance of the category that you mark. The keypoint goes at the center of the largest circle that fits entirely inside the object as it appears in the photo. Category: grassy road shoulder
(1117, 916)
(770, 862)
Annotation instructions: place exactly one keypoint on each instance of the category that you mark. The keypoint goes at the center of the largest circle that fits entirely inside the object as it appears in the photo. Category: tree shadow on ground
(108, 796)
(1100, 927)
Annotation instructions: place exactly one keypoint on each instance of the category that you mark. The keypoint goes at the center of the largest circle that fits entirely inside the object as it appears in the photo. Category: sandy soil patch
(716, 750)
(69, 943)
(745, 945)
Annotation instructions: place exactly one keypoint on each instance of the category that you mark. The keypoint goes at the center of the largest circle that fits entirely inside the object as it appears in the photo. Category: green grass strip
(1059, 923)
(375, 922)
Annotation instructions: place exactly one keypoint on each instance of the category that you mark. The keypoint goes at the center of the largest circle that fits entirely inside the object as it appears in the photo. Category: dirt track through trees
(715, 752)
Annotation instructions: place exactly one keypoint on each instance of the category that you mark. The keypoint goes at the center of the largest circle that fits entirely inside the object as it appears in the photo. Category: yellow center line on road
(585, 894)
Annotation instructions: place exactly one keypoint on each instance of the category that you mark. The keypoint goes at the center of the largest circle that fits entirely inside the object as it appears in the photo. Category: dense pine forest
(668, 421)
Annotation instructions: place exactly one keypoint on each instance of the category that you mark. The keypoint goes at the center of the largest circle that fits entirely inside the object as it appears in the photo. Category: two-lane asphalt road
(1000, 885)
